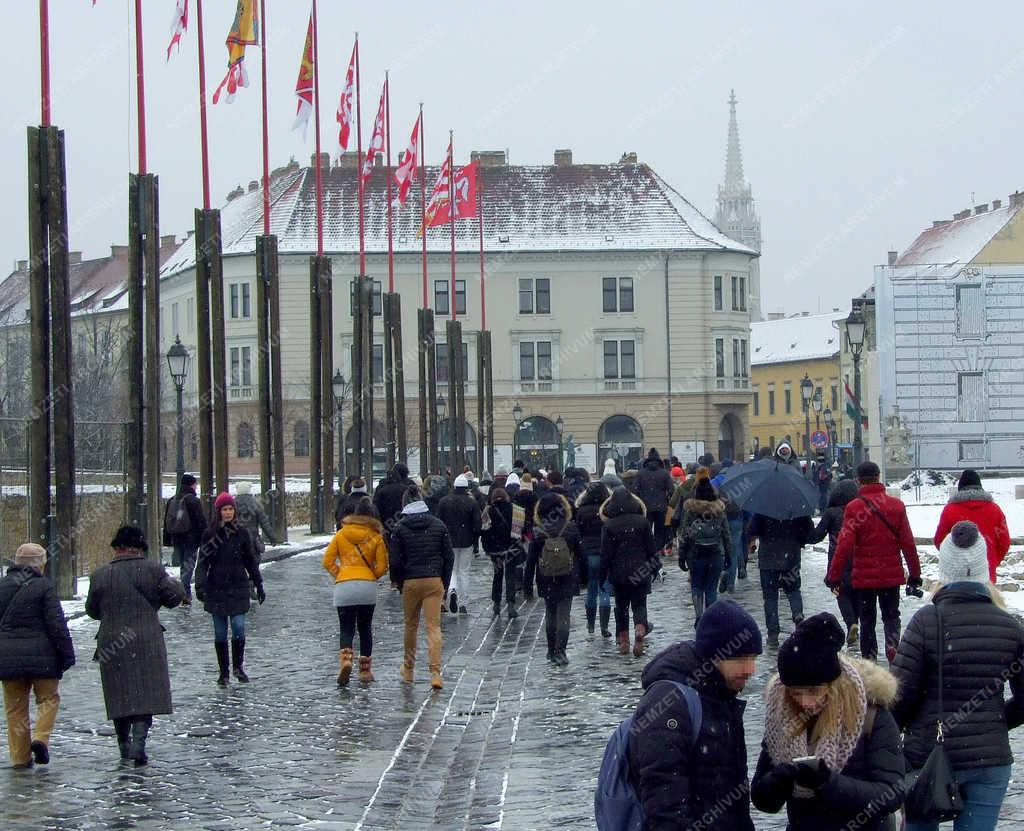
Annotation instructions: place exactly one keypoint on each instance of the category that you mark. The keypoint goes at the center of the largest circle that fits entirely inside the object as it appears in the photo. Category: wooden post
(265, 247)
(356, 304)
(149, 242)
(327, 407)
(490, 403)
(316, 506)
(431, 339)
(218, 362)
(205, 251)
(277, 397)
(421, 382)
(399, 358)
(389, 380)
(481, 404)
(136, 353)
(365, 297)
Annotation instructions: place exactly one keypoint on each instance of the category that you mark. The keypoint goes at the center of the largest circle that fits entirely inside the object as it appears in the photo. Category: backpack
(617, 805)
(177, 520)
(555, 558)
(705, 533)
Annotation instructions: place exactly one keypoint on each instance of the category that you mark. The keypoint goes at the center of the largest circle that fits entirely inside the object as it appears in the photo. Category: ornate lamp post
(855, 330)
(442, 418)
(339, 386)
(517, 414)
(830, 428)
(559, 428)
(806, 392)
(178, 360)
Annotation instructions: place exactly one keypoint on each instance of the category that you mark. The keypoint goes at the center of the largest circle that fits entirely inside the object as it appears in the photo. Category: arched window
(300, 439)
(535, 441)
(445, 454)
(726, 439)
(246, 440)
(620, 438)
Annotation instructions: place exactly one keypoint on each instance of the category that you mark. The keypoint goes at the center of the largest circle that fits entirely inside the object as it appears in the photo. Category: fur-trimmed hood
(880, 685)
(552, 512)
(368, 521)
(970, 495)
(596, 493)
(622, 501)
(702, 506)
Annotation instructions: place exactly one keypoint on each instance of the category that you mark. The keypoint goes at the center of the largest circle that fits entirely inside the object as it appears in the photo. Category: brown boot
(623, 643)
(638, 644)
(365, 669)
(407, 672)
(344, 666)
(435, 679)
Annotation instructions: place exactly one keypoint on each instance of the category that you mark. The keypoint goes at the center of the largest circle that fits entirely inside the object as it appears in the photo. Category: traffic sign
(819, 440)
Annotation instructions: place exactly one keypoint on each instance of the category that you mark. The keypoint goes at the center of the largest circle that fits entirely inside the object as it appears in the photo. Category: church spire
(735, 213)
(733, 156)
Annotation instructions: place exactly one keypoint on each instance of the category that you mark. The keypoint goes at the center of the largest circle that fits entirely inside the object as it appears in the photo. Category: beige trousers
(19, 725)
(423, 594)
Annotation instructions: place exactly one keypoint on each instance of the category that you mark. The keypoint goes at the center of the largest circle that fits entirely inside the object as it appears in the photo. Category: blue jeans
(594, 587)
(772, 580)
(185, 555)
(983, 790)
(736, 533)
(705, 572)
(220, 627)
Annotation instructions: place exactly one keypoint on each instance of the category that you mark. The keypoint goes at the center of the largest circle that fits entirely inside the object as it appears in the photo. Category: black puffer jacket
(227, 562)
(498, 538)
(420, 547)
(387, 499)
(779, 541)
(712, 513)
(831, 523)
(654, 484)
(588, 518)
(553, 517)
(983, 645)
(460, 512)
(683, 784)
(628, 557)
(34, 639)
(867, 790)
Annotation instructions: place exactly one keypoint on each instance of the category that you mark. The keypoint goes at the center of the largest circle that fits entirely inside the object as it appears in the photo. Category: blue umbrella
(771, 488)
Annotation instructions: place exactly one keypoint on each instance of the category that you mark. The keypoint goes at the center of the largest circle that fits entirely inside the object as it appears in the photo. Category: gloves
(812, 775)
(782, 778)
(260, 594)
(832, 584)
(914, 587)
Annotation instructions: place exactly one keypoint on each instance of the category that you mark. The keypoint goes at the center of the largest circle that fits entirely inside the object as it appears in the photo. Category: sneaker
(853, 635)
(453, 602)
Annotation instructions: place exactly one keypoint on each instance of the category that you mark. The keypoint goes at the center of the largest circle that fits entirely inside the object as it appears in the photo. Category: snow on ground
(925, 504)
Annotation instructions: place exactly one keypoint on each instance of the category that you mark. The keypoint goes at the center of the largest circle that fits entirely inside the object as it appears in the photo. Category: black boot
(123, 729)
(238, 658)
(591, 620)
(137, 747)
(606, 616)
(222, 662)
(512, 613)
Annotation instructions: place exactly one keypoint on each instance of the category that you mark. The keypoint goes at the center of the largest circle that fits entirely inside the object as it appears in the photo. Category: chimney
(74, 257)
(349, 160)
(997, 204)
(325, 160)
(563, 158)
(962, 215)
(628, 158)
(253, 185)
(1016, 198)
(22, 265)
(118, 252)
(488, 158)
(893, 256)
(938, 223)
(168, 239)
(235, 194)
(980, 209)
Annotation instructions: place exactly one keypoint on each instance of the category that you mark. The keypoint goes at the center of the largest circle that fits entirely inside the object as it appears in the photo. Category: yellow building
(782, 352)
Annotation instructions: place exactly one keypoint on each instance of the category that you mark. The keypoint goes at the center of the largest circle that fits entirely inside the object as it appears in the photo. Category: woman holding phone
(831, 754)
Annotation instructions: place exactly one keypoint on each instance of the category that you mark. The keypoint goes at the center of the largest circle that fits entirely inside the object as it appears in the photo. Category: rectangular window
(737, 366)
(835, 398)
(611, 359)
(718, 292)
(441, 360)
(744, 364)
(240, 301)
(525, 296)
(970, 312)
(460, 297)
(544, 360)
(743, 294)
(627, 359)
(543, 294)
(970, 396)
(527, 361)
(609, 294)
(376, 298)
(626, 294)
(789, 400)
(190, 313)
(174, 320)
(771, 408)
(719, 357)
(534, 296)
(378, 363)
(972, 451)
(441, 297)
(757, 403)
(735, 293)
(241, 366)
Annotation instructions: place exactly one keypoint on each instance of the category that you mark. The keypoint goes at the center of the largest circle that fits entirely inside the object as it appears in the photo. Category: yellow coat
(343, 560)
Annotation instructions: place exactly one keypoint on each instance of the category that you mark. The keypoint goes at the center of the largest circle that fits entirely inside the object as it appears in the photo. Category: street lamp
(339, 386)
(442, 418)
(806, 392)
(830, 428)
(178, 361)
(855, 330)
(559, 428)
(517, 415)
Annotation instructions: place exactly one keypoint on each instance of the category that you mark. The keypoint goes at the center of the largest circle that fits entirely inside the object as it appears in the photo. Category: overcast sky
(858, 127)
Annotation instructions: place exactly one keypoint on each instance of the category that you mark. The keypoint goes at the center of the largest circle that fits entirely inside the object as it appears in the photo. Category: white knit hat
(512, 480)
(962, 555)
(609, 465)
(461, 481)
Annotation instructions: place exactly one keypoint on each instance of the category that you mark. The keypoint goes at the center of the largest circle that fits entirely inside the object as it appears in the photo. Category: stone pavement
(511, 742)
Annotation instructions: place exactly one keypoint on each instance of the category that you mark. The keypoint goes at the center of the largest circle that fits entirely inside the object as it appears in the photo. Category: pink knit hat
(222, 500)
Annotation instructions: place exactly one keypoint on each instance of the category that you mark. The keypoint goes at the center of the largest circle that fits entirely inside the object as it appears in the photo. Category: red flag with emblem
(304, 84)
(376, 139)
(464, 182)
(405, 173)
(179, 25)
(344, 114)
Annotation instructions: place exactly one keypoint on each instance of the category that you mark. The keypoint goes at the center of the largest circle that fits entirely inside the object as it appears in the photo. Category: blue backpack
(616, 803)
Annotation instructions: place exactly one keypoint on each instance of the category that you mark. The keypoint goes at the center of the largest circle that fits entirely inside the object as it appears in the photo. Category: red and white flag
(244, 32)
(344, 114)
(376, 138)
(178, 26)
(304, 84)
(464, 183)
(405, 173)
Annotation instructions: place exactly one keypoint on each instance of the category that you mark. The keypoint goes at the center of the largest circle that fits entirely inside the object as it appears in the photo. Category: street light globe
(855, 330)
(338, 386)
(816, 402)
(178, 360)
(442, 406)
(517, 413)
(559, 425)
(806, 388)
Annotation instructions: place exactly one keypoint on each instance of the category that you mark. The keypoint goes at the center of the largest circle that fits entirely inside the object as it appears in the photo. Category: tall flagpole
(480, 214)
(44, 62)
(359, 168)
(316, 116)
(387, 145)
(266, 132)
(423, 205)
(203, 138)
(140, 87)
(451, 209)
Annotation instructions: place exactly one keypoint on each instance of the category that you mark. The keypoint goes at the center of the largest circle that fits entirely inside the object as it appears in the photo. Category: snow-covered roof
(526, 208)
(797, 338)
(958, 241)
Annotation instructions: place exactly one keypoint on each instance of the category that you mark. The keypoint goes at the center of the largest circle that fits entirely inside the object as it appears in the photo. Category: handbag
(933, 794)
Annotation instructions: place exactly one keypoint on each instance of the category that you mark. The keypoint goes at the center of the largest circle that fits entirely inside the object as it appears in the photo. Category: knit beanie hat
(726, 630)
(461, 481)
(609, 467)
(705, 491)
(30, 554)
(512, 479)
(963, 555)
(243, 488)
(677, 473)
(357, 486)
(810, 656)
(222, 500)
(969, 479)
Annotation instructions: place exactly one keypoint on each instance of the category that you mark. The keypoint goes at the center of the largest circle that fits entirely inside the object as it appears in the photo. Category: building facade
(613, 303)
(950, 320)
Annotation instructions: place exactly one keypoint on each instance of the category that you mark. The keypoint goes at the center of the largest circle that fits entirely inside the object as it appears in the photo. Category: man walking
(688, 781)
(460, 513)
(875, 533)
(778, 563)
(184, 523)
(654, 486)
(822, 477)
(387, 498)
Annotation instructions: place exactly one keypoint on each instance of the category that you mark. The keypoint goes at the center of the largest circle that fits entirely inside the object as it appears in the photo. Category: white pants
(460, 573)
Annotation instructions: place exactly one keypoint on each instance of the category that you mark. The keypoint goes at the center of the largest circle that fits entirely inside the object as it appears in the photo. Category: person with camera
(875, 533)
(831, 750)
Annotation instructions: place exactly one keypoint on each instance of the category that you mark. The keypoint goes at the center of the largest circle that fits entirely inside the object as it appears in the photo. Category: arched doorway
(444, 451)
(535, 441)
(727, 438)
(380, 457)
(620, 438)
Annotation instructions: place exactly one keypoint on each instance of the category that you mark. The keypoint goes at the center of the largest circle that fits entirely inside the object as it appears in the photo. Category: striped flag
(304, 84)
(853, 406)
(344, 114)
(179, 25)
(244, 32)
(405, 173)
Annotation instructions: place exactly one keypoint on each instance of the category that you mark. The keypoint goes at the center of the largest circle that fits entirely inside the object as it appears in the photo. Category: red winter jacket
(976, 505)
(874, 548)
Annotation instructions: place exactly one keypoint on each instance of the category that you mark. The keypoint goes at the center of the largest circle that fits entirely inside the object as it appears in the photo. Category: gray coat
(253, 518)
(125, 596)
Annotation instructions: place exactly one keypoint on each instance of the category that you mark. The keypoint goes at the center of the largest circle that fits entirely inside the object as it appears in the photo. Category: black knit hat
(969, 479)
(705, 491)
(726, 630)
(129, 536)
(810, 656)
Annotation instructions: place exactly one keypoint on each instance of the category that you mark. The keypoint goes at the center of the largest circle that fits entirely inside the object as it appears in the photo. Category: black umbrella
(771, 488)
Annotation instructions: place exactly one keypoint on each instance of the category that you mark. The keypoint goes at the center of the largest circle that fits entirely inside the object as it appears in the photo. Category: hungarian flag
(344, 114)
(464, 182)
(304, 84)
(853, 406)
(376, 138)
(405, 173)
(178, 26)
(244, 32)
